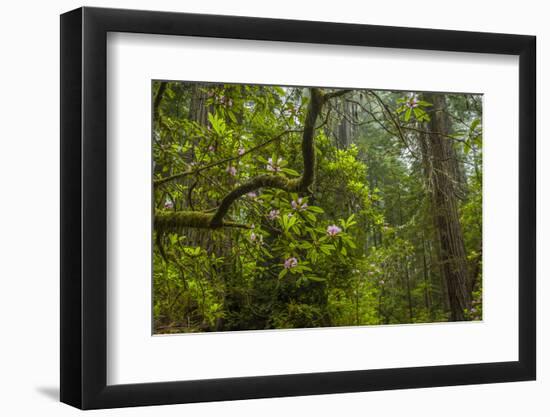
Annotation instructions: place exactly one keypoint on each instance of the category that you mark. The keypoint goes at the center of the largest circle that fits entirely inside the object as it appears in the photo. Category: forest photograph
(289, 207)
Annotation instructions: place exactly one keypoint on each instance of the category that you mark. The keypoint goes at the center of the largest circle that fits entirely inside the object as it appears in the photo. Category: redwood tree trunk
(441, 174)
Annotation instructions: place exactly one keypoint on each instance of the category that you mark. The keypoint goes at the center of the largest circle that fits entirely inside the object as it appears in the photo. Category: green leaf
(292, 221)
(279, 91)
(474, 125)
(316, 209)
(350, 243)
(284, 222)
(311, 217)
(291, 172)
(232, 116)
(213, 120)
(313, 256)
(266, 252)
(326, 249)
(408, 114)
(477, 141)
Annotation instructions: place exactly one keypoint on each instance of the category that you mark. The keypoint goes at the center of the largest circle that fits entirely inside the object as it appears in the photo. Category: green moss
(177, 220)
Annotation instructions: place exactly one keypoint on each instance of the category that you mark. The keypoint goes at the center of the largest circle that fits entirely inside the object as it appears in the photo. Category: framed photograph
(258, 208)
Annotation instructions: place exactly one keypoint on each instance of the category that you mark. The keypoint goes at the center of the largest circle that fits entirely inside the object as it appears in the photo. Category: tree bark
(452, 253)
(427, 280)
(198, 111)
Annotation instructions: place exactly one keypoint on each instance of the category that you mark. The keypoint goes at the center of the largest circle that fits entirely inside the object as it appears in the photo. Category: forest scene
(280, 207)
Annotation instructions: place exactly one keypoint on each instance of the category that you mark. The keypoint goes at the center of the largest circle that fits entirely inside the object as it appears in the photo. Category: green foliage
(358, 248)
(411, 107)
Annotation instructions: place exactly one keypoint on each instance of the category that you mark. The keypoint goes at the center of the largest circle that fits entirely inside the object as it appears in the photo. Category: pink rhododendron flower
(256, 238)
(241, 151)
(291, 263)
(412, 102)
(231, 170)
(252, 194)
(273, 214)
(274, 166)
(298, 205)
(333, 230)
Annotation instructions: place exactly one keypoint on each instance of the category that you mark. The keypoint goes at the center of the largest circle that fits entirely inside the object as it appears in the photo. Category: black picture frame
(84, 207)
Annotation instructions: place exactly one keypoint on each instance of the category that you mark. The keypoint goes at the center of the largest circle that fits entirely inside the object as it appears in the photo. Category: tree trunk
(198, 111)
(409, 298)
(343, 126)
(427, 280)
(441, 170)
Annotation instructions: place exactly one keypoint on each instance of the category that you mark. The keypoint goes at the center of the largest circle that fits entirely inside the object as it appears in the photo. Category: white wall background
(29, 225)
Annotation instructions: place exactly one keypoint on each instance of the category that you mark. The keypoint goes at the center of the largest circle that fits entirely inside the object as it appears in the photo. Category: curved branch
(262, 181)
(177, 220)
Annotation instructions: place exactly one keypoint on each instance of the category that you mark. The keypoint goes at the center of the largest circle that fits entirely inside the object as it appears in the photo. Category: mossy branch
(166, 221)
(177, 220)
(262, 181)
